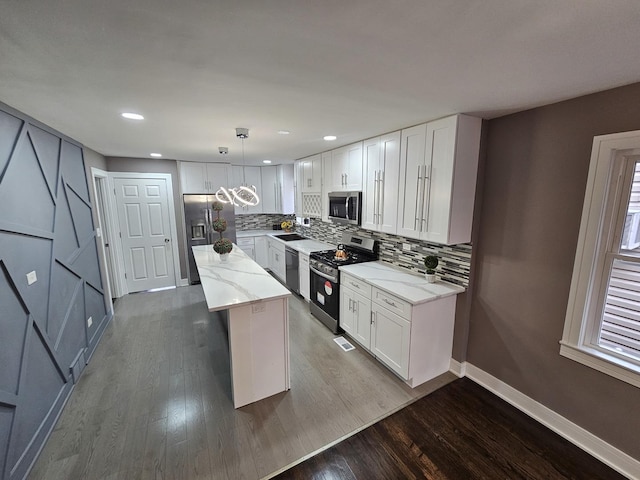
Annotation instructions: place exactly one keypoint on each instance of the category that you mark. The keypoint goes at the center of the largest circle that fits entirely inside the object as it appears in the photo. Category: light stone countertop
(410, 287)
(303, 246)
(237, 282)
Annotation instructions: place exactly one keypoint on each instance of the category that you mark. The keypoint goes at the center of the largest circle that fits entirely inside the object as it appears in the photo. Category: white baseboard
(598, 448)
(183, 282)
(457, 368)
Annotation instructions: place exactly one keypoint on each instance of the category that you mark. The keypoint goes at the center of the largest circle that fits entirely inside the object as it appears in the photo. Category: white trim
(597, 226)
(184, 282)
(457, 368)
(102, 258)
(593, 445)
(172, 223)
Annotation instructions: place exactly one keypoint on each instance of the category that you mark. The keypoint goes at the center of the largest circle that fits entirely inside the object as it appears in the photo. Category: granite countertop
(237, 282)
(303, 246)
(410, 287)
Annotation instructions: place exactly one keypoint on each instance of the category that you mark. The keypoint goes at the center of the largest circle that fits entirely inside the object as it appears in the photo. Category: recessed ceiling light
(266, 161)
(284, 132)
(329, 138)
(133, 116)
(155, 154)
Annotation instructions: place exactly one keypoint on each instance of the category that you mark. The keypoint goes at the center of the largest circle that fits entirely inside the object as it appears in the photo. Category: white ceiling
(196, 69)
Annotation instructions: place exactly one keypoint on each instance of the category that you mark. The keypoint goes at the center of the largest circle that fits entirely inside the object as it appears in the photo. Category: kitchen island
(258, 321)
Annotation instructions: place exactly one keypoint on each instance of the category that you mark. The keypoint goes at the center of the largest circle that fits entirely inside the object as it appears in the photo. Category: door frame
(101, 196)
(121, 282)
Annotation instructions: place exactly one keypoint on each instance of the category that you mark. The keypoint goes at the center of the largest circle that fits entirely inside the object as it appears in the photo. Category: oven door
(325, 293)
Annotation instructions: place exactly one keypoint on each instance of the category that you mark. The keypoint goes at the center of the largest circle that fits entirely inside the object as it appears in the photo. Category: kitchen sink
(290, 237)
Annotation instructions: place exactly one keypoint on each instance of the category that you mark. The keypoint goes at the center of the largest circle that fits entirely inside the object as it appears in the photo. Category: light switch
(31, 277)
(406, 247)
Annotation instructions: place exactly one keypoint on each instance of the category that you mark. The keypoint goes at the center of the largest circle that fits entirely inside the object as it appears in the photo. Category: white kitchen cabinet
(198, 177)
(261, 250)
(381, 161)
(248, 176)
(414, 341)
(297, 188)
(438, 169)
(304, 275)
(277, 189)
(391, 335)
(277, 261)
(246, 244)
(355, 309)
(311, 173)
(346, 168)
(326, 186)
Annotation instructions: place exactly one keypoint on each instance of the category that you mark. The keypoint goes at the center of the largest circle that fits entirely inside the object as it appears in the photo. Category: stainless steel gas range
(325, 276)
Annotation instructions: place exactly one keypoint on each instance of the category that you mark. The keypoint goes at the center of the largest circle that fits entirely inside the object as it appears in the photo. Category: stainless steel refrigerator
(198, 216)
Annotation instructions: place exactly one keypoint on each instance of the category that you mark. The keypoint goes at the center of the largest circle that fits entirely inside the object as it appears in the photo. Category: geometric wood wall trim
(46, 227)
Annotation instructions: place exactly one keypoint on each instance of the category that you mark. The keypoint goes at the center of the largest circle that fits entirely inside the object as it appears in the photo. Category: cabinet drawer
(360, 286)
(245, 242)
(391, 302)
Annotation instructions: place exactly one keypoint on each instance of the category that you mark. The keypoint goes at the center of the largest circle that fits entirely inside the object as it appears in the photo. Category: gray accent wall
(526, 235)
(46, 227)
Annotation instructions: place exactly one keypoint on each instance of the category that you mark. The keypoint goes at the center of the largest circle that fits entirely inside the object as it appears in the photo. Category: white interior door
(144, 217)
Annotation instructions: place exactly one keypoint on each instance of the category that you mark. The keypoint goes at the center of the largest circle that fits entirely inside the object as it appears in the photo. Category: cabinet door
(253, 177)
(217, 176)
(353, 173)
(269, 190)
(250, 251)
(347, 311)
(338, 170)
(411, 184)
(391, 338)
(193, 177)
(285, 189)
(304, 276)
(297, 187)
(326, 184)
(311, 174)
(362, 329)
(388, 182)
(262, 251)
(370, 192)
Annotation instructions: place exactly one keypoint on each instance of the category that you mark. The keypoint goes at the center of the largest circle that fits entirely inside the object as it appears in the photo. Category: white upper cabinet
(297, 187)
(198, 177)
(311, 174)
(438, 168)
(346, 168)
(381, 161)
(269, 190)
(326, 186)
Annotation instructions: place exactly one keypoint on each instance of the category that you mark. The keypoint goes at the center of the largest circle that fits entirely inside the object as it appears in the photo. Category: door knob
(167, 240)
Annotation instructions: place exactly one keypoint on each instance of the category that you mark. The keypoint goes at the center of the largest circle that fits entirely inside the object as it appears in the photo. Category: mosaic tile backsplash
(455, 260)
(262, 221)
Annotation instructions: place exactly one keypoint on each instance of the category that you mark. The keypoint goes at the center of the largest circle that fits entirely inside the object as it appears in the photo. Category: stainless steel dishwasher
(292, 275)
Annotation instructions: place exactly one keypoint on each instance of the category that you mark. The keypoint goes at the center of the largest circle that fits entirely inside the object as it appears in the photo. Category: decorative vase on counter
(222, 246)
(431, 262)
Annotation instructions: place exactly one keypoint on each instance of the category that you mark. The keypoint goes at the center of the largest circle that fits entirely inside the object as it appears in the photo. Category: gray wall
(152, 165)
(533, 189)
(45, 226)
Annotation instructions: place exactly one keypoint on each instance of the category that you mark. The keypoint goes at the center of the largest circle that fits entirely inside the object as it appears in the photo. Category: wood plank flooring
(155, 400)
(459, 432)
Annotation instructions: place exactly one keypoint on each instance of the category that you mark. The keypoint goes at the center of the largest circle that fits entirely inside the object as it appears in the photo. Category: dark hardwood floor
(461, 431)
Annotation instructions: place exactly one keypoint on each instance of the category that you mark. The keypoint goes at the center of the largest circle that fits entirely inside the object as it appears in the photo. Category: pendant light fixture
(244, 195)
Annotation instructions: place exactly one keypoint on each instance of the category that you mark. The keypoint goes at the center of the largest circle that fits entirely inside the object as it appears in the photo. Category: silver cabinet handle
(350, 302)
(388, 302)
(372, 318)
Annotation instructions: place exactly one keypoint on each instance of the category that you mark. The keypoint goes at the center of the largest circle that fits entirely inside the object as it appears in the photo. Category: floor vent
(346, 346)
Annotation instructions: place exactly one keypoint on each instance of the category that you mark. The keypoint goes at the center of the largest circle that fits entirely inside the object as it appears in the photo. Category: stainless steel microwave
(345, 207)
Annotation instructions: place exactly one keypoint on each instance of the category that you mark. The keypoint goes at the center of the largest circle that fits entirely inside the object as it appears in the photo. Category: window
(602, 326)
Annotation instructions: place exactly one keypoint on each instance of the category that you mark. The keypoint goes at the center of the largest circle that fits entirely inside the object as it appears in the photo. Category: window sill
(601, 361)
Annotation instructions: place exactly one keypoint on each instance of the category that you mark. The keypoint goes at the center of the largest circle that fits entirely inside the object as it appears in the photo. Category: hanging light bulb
(244, 195)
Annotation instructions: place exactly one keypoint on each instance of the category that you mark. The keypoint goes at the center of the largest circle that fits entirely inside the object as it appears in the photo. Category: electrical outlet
(258, 308)
(31, 277)
(89, 322)
(406, 247)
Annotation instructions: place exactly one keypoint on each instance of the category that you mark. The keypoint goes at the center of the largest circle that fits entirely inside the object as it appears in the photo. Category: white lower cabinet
(414, 341)
(246, 244)
(277, 261)
(303, 269)
(261, 251)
